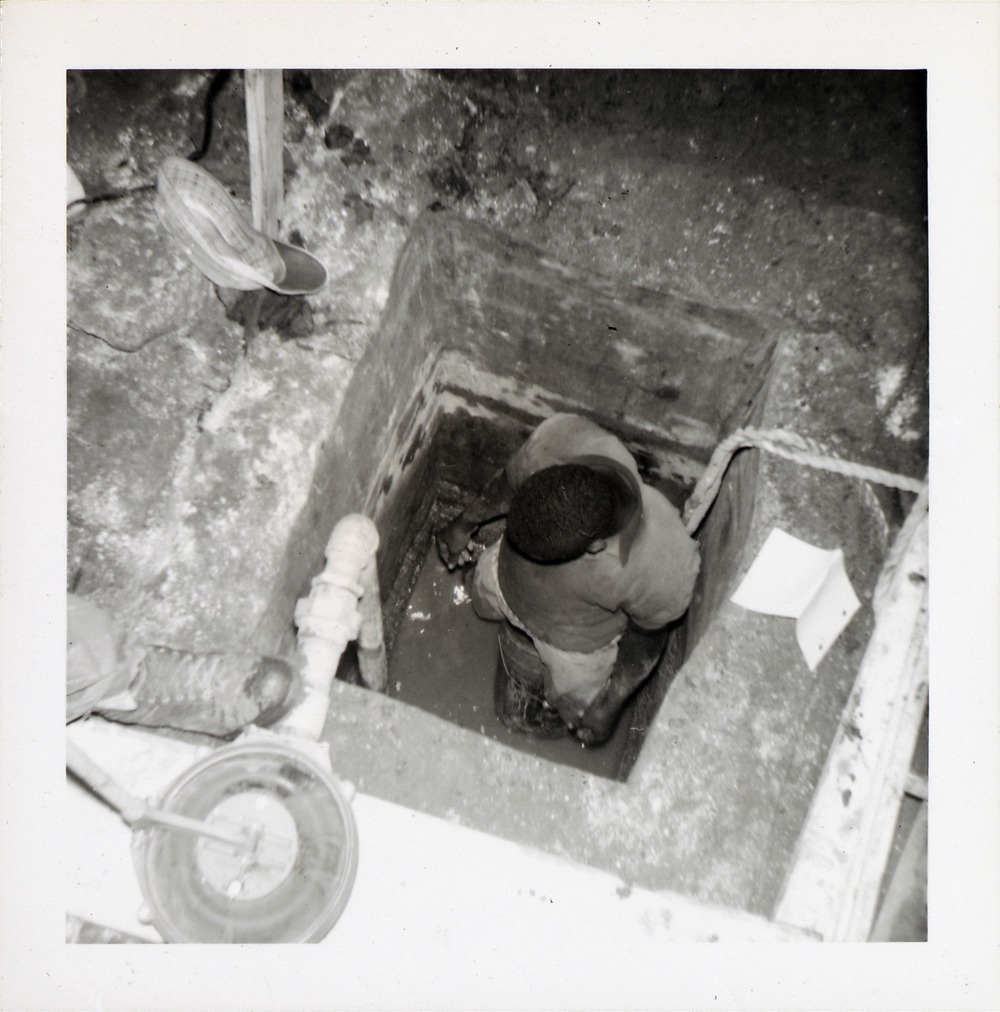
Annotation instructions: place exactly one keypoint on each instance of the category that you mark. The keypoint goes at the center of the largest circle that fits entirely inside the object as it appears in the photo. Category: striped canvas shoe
(214, 693)
(206, 223)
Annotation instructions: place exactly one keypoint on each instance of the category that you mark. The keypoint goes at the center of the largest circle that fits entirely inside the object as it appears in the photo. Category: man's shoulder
(563, 437)
(662, 524)
(566, 424)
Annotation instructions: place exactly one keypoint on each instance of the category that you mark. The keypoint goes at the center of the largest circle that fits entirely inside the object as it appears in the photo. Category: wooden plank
(833, 884)
(588, 902)
(903, 916)
(82, 931)
(916, 786)
(265, 128)
(881, 816)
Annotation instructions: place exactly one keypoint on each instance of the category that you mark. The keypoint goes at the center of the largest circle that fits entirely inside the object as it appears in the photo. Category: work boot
(214, 693)
(519, 693)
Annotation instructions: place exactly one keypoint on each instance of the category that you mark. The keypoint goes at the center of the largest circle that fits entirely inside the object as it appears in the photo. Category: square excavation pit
(481, 339)
(442, 657)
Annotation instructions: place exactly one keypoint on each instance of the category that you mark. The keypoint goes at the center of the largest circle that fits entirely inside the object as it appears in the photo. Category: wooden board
(265, 127)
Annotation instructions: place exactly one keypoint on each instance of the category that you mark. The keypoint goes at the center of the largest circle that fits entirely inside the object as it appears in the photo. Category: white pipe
(371, 645)
(329, 618)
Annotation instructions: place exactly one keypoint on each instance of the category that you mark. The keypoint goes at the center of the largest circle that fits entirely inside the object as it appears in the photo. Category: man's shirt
(586, 603)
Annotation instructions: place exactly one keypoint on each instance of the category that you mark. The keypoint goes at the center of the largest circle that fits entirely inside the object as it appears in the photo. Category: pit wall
(635, 359)
(741, 738)
(375, 417)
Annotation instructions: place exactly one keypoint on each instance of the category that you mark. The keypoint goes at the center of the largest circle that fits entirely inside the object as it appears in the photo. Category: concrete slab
(420, 890)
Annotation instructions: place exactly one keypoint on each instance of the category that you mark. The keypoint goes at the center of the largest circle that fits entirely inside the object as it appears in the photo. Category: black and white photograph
(496, 540)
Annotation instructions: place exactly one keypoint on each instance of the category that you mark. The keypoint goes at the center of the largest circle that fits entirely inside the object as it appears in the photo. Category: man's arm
(493, 502)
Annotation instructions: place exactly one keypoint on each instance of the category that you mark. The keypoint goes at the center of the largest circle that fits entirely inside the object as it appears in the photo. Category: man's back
(585, 604)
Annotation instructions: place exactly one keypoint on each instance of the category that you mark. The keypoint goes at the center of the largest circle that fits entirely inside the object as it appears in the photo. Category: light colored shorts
(580, 676)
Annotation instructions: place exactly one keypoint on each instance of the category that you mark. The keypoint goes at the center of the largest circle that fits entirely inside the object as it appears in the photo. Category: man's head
(562, 512)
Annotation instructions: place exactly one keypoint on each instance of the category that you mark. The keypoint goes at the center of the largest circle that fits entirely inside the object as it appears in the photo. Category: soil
(800, 192)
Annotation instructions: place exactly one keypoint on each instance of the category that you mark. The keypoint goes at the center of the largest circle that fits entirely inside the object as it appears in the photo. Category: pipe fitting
(342, 605)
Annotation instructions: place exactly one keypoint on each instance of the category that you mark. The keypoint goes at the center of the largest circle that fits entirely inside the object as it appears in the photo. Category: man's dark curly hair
(559, 511)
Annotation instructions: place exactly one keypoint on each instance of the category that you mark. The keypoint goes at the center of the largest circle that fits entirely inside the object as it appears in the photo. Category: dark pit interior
(480, 323)
(442, 657)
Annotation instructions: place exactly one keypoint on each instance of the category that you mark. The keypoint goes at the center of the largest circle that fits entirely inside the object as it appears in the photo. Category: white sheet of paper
(794, 579)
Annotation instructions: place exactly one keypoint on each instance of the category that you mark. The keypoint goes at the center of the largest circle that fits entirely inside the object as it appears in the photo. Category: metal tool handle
(160, 817)
(79, 763)
(137, 812)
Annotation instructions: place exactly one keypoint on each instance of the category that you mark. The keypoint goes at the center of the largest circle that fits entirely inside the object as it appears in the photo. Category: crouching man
(591, 568)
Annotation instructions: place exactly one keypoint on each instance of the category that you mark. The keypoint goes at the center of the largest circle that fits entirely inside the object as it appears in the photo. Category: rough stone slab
(128, 282)
(130, 418)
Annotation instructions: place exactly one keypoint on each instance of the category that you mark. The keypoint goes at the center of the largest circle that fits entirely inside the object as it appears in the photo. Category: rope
(790, 446)
(917, 514)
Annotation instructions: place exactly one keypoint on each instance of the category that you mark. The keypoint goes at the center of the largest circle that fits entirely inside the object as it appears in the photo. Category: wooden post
(265, 128)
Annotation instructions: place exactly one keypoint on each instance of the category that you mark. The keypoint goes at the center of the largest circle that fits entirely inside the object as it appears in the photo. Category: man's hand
(454, 543)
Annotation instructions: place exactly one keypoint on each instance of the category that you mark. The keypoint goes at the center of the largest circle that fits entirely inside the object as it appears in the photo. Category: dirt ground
(802, 193)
